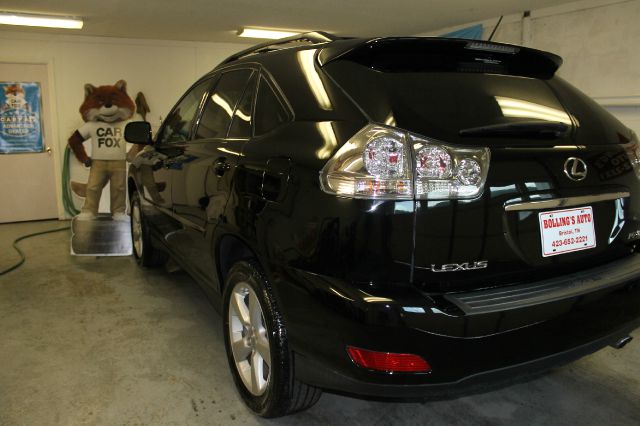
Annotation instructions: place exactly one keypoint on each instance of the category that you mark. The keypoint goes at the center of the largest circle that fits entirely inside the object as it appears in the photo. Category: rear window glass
(441, 104)
(269, 110)
(241, 124)
(447, 105)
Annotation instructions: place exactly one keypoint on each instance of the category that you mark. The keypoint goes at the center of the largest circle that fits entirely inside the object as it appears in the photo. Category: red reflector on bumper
(388, 362)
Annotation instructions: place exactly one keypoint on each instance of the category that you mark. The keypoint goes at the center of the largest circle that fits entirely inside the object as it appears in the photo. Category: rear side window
(177, 125)
(221, 104)
(241, 123)
(270, 112)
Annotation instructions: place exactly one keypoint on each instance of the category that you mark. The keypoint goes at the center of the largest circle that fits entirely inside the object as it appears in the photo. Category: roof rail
(314, 37)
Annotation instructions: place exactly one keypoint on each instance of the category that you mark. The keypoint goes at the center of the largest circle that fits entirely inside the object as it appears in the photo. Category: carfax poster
(20, 123)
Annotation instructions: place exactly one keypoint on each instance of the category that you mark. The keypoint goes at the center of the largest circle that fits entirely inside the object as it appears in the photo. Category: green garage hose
(22, 256)
(67, 195)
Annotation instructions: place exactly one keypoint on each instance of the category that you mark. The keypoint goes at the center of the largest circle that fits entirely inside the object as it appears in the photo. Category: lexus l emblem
(575, 169)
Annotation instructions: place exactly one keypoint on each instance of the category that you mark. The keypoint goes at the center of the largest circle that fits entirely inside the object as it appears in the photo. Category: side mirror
(138, 132)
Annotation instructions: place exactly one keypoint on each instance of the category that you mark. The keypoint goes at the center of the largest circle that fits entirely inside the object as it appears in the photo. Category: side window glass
(177, 125)
(221, 104)
(269, 111)
(241, 123)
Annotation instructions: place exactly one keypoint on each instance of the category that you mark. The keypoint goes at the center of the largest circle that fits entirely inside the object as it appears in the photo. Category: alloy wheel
(249, 339)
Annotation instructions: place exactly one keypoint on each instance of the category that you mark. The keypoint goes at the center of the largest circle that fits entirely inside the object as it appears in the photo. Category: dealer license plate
(566, 231)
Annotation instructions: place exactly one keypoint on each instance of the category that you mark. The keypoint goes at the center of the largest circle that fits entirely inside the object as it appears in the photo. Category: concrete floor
(87, 340)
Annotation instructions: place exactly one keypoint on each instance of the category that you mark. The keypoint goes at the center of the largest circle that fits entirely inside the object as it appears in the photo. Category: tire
(143, 250)
(255, 338)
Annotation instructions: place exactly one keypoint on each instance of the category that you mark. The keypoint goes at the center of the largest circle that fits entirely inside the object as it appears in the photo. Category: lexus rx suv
(393, 217)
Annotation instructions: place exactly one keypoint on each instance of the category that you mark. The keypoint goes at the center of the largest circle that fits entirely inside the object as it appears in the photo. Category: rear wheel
(143, 250)
(257, 346)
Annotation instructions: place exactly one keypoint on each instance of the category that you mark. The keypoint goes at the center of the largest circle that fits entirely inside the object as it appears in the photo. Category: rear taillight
(375, 163)
(388, 163)
(387, 361)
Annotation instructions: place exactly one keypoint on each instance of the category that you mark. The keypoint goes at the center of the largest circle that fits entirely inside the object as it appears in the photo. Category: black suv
(394, 217)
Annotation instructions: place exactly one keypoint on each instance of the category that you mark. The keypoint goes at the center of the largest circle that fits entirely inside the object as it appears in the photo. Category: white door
(27, 181)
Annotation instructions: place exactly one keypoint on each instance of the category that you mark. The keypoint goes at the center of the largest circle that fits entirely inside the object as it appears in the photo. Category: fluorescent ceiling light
(258, 33)
(9, 18)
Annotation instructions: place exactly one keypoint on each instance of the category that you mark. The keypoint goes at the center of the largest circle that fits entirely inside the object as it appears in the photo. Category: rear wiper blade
(520, 129)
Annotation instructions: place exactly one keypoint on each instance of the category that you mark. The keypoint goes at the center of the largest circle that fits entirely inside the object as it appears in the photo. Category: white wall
(162, 70)
(599, 41)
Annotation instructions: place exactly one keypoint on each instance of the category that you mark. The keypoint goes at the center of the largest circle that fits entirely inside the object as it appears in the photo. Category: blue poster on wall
(20, 123)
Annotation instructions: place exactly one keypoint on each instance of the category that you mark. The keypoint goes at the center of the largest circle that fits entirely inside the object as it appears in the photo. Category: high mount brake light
(388, 362)
(382, 162)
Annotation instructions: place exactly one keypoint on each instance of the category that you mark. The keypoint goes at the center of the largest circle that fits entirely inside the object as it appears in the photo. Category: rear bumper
(310, 371)
(563, 287)
(465, 350)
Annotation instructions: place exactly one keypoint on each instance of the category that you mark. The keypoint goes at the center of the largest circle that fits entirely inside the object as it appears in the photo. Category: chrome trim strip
(565, 202)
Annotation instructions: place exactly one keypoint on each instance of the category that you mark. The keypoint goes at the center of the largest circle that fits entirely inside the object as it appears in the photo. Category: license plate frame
(567, 231)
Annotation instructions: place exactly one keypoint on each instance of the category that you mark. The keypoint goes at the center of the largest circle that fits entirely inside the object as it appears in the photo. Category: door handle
(48, 150)
(221, 166)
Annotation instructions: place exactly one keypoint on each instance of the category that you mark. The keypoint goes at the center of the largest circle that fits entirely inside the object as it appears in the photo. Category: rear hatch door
(559, 192)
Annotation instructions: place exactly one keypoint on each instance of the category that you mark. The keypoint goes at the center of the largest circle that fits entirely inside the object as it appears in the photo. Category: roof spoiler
(366, 51)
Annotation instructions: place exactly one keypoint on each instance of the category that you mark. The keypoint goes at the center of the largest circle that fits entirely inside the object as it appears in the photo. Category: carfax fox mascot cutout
(106, 111)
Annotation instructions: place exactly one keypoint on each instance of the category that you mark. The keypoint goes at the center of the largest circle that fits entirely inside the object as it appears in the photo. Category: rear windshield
(439, 96)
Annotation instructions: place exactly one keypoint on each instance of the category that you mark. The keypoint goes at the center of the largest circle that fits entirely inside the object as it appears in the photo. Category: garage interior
(97, 340)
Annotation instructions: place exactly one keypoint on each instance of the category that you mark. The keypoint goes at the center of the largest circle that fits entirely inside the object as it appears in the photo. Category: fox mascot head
(107, 103)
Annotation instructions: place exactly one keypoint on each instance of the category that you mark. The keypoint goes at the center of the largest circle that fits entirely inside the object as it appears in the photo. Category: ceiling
(218, 20)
